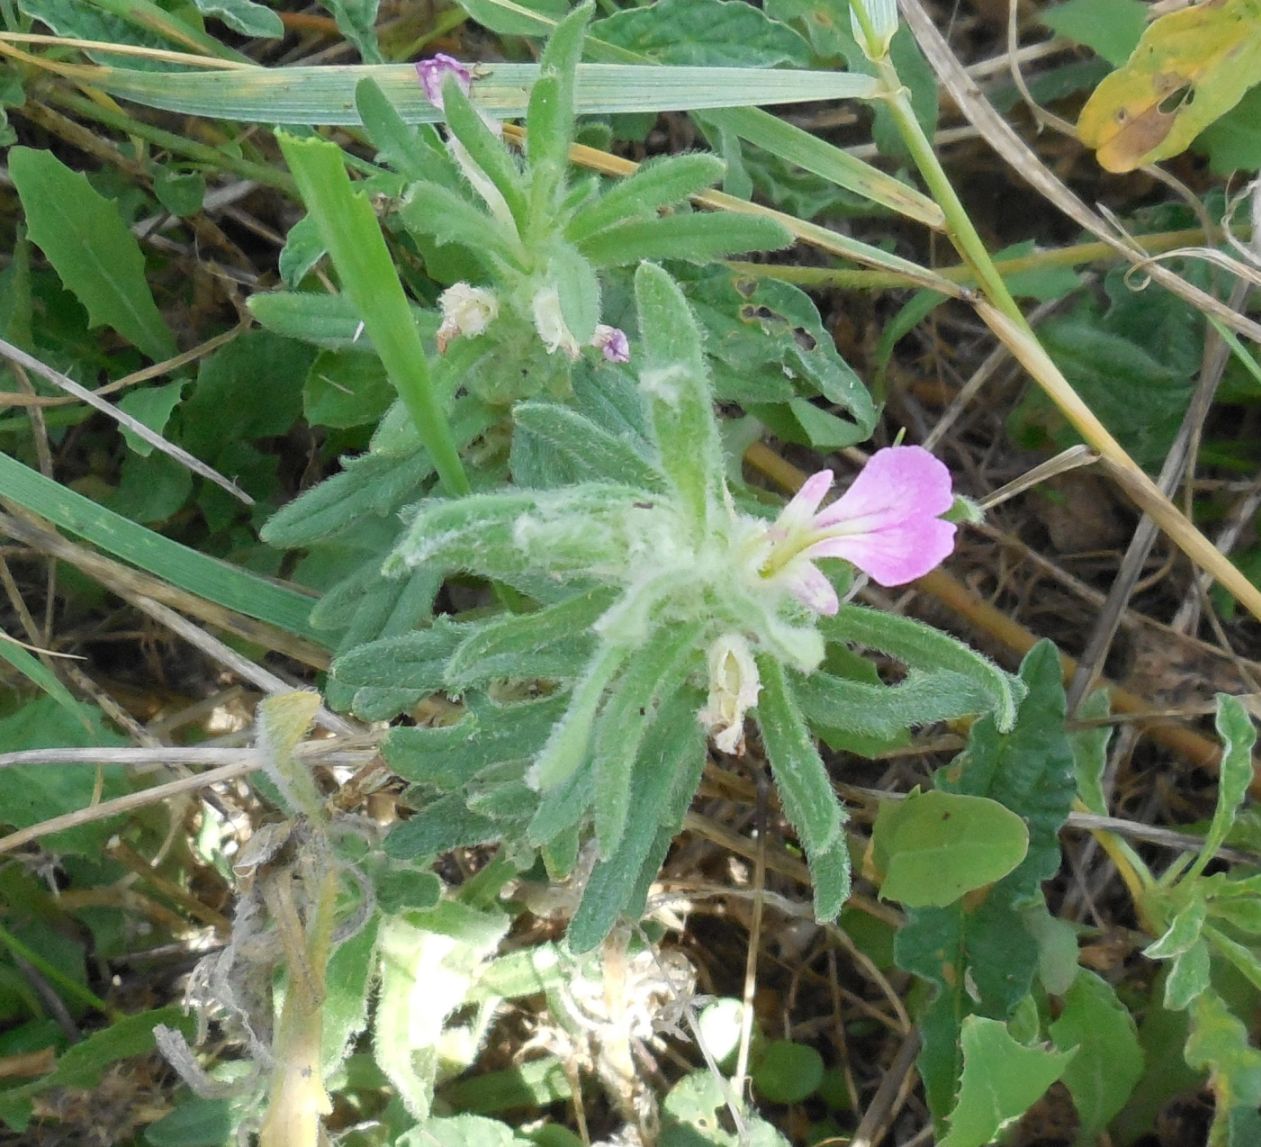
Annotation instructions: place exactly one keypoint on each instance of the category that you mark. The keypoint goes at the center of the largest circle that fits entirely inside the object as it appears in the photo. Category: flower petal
(612, 343)
(797, 514)
(897, 483)
(894, 555)
(808, 585)
(433, 74)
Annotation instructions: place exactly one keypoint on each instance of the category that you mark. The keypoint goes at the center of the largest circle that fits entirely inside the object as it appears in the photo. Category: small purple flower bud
(433, 74)
(611, 342)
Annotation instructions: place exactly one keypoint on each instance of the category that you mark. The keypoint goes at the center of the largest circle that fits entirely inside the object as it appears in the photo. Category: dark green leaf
(981, 956)
(346, 388)
(488, 734)
(717, 33)
(85, 239)
(659, 182)
(511, 645)
(694, 237)
(370, 484)
(445, 824)
(674, 378)
(657, 671)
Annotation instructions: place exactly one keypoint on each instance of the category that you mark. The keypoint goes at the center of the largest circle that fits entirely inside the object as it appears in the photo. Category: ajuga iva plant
(535, 248)
(542, 241)
(671, 609)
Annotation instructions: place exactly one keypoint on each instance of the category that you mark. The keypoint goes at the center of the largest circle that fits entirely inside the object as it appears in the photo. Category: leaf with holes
(1190, 68)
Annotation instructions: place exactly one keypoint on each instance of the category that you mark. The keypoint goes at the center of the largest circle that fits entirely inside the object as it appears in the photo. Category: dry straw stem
(139, 429)
(901, 272)
(247, 761)
(1024, 161)
(1149, 498)
(132, 584)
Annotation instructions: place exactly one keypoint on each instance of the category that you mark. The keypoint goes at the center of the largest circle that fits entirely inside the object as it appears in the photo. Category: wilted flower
(611, 342)
(886, 524)
(433, 74)
(466, 312)
(733, 690)
(549, 321)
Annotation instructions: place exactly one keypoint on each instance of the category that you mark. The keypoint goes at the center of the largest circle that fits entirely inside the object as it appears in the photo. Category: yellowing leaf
(1190, 68)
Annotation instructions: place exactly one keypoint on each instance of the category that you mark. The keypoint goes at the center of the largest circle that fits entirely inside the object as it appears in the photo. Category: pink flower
(612, 343)
(886, 524)
(433, 74)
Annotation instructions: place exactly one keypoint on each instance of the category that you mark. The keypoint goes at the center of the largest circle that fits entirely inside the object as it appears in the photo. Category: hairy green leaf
(657, 671)
(596, 453)
(511, 645)
(920, 647)
(389, 676)
(672, 751)
(674, 380)
(800, 775)
(448, 756)
(695, 237)
(659, 182)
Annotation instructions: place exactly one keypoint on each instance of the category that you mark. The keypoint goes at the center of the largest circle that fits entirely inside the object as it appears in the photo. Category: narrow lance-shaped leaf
(550, 117)
(800, 776)
(578, 290)
(919, 646)
(670, 751)
(590, 446)
(431, 209)
(883, 710)
(509, 645)
(486, 150)
(447, 756)
(1238, 734)
(697, 238)
(473, 534)
(566, 748)
(656, 671)
(659, 182)
(397, 142)
(352, 236)
(674, 380)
